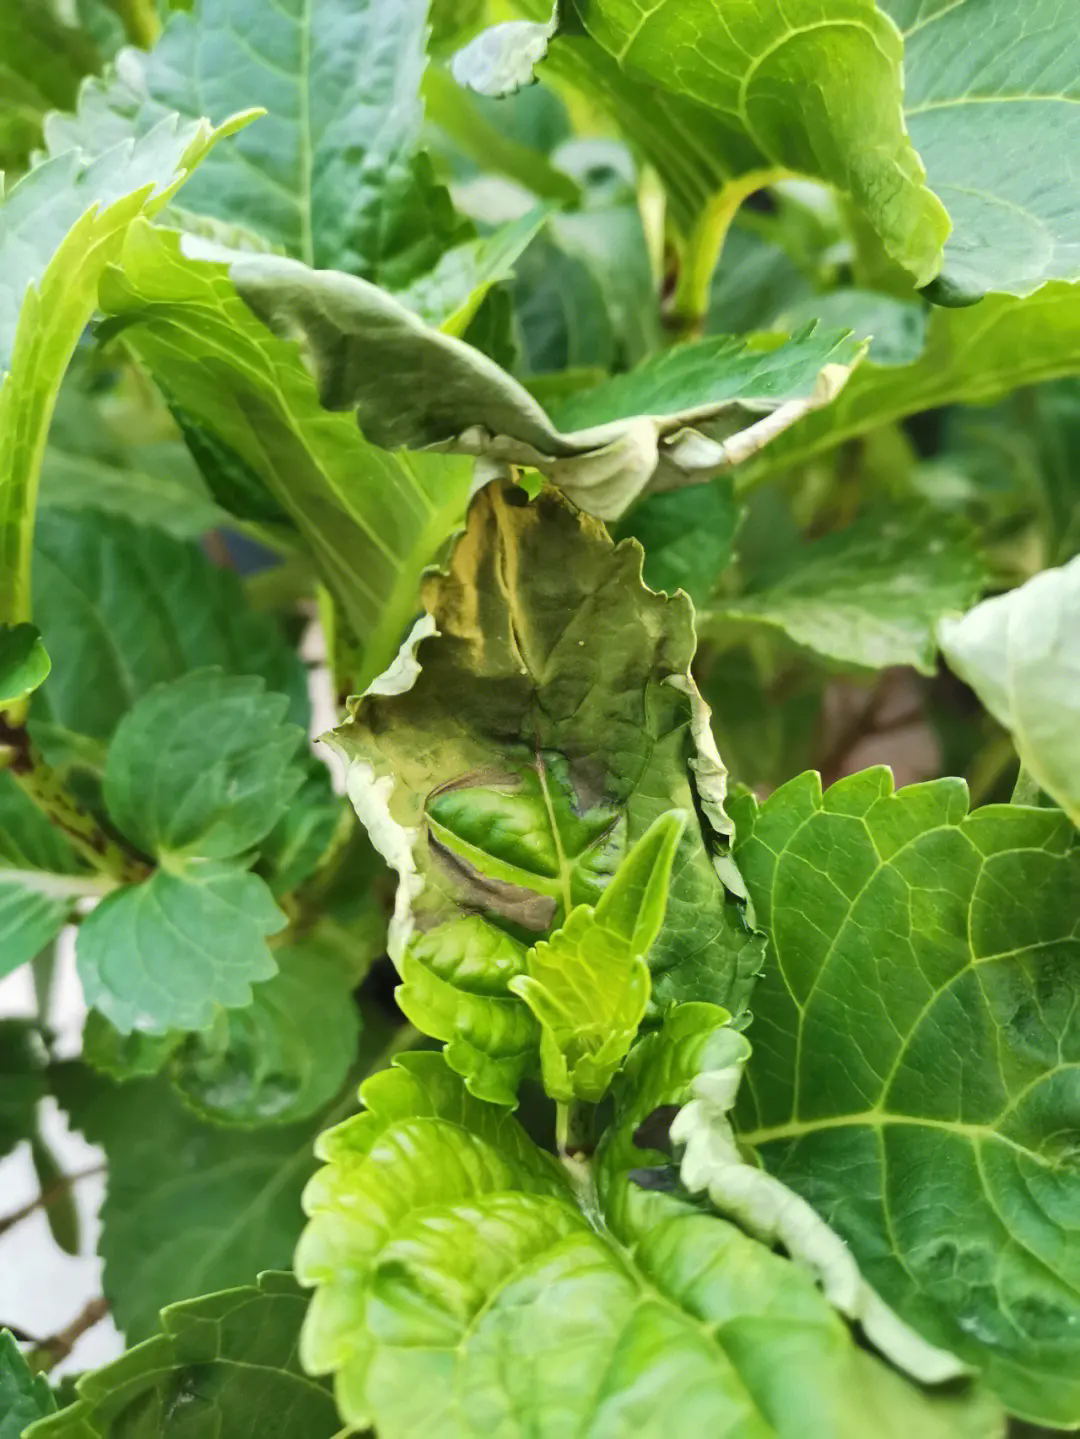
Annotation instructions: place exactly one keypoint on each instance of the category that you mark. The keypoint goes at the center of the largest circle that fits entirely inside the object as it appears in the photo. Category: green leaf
(870, 595)
(283, 1057)
(124, 608)
(989, 97)
(1020, 653)
(202, 767)
(22, 1083)
(589, 985)
(688, 536)
(371, 521)
(442, 1240)
(506, 768)
(332, 175)
(914, 1059)
(161, 955)
(189, 1207)
(822, 99)
(42, 61)
(24, 1395)
(40, 878)
(972, 356)
(57, 1197)
(94, 461)
(60, 226)
(411, 386)
(225, 1364)
(24, 662)
(125, 1056)
(290, 853)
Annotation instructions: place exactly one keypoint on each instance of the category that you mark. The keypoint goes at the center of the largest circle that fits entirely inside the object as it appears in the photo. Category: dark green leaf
(22, 1084)
(24, 662)
(24, 1395)
(915, 1054)
(687, 536)
(40, 878)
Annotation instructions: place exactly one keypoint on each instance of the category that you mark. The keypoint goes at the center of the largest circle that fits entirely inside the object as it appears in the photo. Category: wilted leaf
(1020, 653)
(506, 769)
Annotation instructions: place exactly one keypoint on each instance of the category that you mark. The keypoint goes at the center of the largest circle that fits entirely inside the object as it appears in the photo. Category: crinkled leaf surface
(372, 521)
(990, 98)
(202, 767)
(24, 662)
(39, 878)
(123, 608)
(461, 1288)
(24, 1395)
(818, 93)
(506, 769)
(163, 954)
(972, 355)
(225, 1364)
(870, 595)
(331, 174)
(59, 228)
(189, 1207)
(588, 985)
(410, 385)
(502, 58)
(915, 1059)
(283, 1057)
(1020, 653)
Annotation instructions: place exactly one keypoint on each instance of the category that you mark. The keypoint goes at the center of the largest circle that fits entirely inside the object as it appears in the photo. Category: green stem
(703, 249)
(1027, 790)
(575, 1128)
(43, 785)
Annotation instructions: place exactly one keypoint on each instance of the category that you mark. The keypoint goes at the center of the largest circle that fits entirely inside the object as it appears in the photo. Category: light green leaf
(124, 608)
(502, 58)
(161, 955)
(589, 984)
(24, 662)
(24, 1395)
(411, 386)
(283, 1057)
(505, 768)
(60, 226)
(711, 1163)
(225, 1365)
(202, 767)
(371, 521)
(442, 1240)
(687, 535)
(868, 596)
(1020, 653)
(40, 878)
(972, 356)
(332, 175)
(189, 1207)
(818, 95)
(990, 99)
(935, 1133)
(22, 1083)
